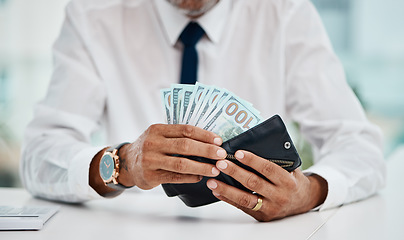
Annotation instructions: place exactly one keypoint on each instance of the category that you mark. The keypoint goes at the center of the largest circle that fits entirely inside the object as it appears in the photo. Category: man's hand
(151, 161)
(286, 194)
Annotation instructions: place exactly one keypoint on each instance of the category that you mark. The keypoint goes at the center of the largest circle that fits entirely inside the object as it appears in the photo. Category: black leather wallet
(269, 140)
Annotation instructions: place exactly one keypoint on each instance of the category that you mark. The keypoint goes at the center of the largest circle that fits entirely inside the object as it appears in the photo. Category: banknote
(231, 118)
(209, 107)
(214, 95)
(193, 102)
(203, 96)
(181, 94)
(166, 99)
(207, 92)
(215, 102)
(187, 92)
(176, 91)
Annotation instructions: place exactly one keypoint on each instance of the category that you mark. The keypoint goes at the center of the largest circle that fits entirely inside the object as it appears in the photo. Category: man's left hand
(283, 195)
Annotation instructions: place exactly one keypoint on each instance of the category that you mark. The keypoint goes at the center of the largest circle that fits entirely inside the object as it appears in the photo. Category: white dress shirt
(113, 57)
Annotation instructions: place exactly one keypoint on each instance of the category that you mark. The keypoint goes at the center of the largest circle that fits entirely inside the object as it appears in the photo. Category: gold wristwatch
(109, 167)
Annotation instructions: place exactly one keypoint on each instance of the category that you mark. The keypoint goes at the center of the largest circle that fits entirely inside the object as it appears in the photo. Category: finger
(190, 147)
(246, 178)
(224, 199)
(172, 177)
(232, 195)
(244, 209)
(186, 166)
(270, 170)
(188, 131)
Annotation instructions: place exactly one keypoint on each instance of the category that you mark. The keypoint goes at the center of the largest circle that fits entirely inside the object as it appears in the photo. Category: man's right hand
(150, 161)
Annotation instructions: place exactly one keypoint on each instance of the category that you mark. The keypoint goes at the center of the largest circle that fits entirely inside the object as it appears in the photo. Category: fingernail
(215, 171)
(216, 194)
(211, 184)
(217, 141)
(221, 164)
(239, 155)
(221, 153)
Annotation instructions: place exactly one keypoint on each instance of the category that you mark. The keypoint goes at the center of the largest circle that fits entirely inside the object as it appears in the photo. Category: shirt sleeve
(347, 147)
(57, 146)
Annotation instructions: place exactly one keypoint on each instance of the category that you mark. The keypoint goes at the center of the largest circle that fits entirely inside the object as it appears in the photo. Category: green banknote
(209, 107)
(231, 118)
(166, 99)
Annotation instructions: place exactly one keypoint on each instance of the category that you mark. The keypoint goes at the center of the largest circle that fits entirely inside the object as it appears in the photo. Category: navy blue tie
(189, 37)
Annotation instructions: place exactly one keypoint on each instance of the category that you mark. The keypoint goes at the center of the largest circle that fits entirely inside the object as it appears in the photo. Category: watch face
(106, 167)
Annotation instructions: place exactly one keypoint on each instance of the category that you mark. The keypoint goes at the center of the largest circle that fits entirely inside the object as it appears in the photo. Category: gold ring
(258, 205)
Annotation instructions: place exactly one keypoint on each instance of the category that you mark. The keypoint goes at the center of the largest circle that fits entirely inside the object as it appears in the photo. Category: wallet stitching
(285, 163)
(230, 157)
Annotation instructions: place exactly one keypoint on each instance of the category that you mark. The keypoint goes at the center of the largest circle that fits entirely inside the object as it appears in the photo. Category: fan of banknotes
(209, 107)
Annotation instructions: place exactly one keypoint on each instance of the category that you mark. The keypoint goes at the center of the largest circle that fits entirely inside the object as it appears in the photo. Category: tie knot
(191, 34)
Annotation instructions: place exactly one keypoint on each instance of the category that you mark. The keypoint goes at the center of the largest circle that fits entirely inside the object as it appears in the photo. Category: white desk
(155, 216)
(380, 217)
(152, 215)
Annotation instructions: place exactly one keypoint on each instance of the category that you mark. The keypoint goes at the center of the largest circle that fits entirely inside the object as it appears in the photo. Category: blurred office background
(368, 36)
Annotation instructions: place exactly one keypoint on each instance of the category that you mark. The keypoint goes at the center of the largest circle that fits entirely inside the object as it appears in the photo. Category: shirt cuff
(79, 175)
(337, 186)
